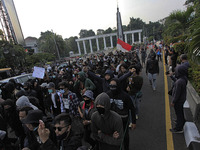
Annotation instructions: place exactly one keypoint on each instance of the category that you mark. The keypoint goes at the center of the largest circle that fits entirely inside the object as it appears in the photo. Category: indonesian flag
(121, 45)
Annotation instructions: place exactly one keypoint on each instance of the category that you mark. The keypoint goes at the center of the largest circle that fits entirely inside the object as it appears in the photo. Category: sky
(68, 17)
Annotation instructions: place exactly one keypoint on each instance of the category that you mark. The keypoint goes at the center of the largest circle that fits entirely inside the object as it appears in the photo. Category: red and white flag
(123, 46)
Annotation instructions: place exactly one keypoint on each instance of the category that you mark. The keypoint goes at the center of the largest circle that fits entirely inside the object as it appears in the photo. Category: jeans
(136, 103)
(152, 79)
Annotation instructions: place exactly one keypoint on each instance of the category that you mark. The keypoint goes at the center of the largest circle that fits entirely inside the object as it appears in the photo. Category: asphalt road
(150, 133)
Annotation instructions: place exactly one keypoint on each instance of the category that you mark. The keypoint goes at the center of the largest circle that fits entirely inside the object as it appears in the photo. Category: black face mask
(113, 87)
(81, 79)
(61, 137)
(26, 89)
(8, 110)
(87, 102)
(101, 110)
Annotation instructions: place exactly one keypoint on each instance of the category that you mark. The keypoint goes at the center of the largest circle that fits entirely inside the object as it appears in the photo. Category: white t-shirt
(53, 99)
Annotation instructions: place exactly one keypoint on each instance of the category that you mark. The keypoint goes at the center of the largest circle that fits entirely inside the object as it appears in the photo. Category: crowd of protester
(89, 104)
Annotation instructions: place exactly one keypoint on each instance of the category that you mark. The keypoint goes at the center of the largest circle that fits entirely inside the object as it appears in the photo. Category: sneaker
(176, 131)
(130, 125)
(136, 116)
(154, 88)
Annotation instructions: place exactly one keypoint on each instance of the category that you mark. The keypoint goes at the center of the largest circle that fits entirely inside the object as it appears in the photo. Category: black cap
(33, 117)
(51, 85)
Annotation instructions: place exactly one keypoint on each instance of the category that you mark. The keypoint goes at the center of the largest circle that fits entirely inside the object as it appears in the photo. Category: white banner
(38, 72)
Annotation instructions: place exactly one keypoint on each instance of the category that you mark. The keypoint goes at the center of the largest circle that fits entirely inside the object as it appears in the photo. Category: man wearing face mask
(68, 100)
(52, 102)
(28, 90)
(122, 104)
(107, 127)
(86, 110)
(108, 75)
(66, 139)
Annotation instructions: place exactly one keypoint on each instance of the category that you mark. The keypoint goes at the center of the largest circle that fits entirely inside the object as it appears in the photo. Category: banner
(38, 72)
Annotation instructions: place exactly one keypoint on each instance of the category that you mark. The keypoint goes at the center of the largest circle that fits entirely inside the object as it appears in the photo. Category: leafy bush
(179, 47)
(39, 59)
(194, 76)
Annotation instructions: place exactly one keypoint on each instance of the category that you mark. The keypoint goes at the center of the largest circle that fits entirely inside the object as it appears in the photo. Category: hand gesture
(86, 122)
(133, 126)
(115, 135)
(128, 89)
(43, 132)
(85, 69)
(83, 91)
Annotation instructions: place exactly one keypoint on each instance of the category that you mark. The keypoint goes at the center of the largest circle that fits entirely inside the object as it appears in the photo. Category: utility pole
(56, 45)
(153, 34)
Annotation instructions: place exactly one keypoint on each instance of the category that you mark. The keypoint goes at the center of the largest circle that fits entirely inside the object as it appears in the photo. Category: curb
(191, 110)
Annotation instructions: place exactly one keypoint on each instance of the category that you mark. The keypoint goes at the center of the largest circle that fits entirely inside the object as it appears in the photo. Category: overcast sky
(68, 17)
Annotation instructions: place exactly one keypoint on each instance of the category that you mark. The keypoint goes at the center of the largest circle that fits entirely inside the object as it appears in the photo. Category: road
(152, 131)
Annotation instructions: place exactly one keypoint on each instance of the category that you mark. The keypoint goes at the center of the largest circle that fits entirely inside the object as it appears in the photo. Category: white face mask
(62, 91)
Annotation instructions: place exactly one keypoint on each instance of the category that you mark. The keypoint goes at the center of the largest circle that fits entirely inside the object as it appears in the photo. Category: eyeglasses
(59, 128)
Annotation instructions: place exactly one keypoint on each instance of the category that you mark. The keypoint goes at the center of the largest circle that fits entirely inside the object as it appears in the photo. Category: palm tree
(194, 44)
(181, 19)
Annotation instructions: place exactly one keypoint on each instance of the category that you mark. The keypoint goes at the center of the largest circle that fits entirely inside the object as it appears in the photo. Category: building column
(91, 50)
(85, 52)
(97, 41)
(133, 38)
(139, 37)
(126, 38)
(111, 42)
(79, 50)
(104, 41)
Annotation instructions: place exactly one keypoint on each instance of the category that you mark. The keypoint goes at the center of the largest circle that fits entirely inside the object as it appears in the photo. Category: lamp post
(56, 45)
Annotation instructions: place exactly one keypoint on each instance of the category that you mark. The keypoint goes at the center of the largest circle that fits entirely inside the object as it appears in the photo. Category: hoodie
(121, 103)
(180, 90)
(107, 124)
(105, 83)
(24, 101)
(88, 84)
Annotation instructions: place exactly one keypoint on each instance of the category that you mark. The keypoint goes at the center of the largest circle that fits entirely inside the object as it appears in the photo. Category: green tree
(46, 43)
(109, 30)
(135, 23)
(39, 59)
(86, 33)
(12, 56)
(194, 44)
(178, 22)
(71, 44)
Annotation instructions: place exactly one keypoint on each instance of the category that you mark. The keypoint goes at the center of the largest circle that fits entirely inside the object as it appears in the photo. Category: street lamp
(56, 45)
